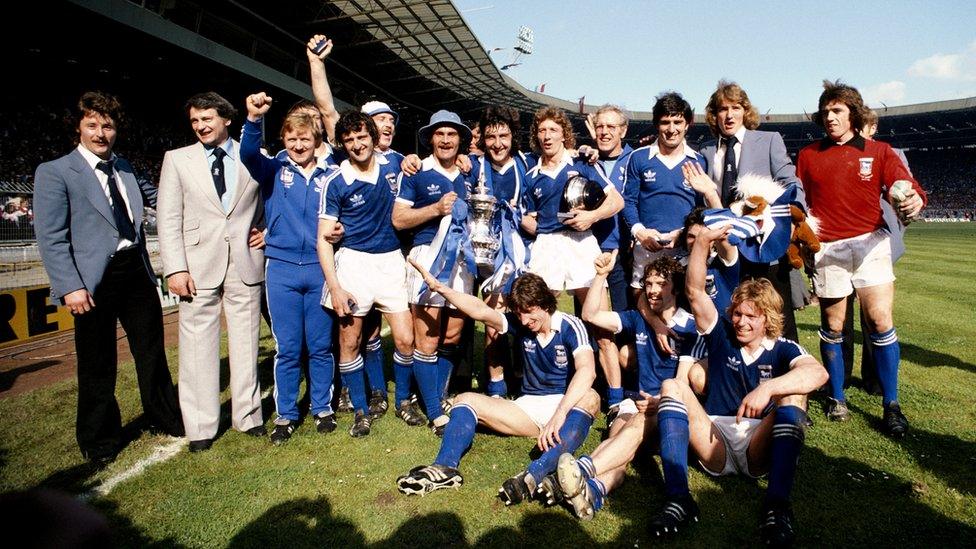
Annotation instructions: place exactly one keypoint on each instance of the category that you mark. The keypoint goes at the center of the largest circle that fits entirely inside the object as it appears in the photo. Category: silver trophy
(579, 193)
(481, 210)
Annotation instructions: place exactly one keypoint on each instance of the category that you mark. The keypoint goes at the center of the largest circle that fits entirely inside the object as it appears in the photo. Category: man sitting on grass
(753, 418)
(586, 482)
(557, 405)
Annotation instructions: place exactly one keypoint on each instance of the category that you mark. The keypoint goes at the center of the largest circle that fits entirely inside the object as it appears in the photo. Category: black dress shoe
(201, 445)
(257, 432)
(100, 462)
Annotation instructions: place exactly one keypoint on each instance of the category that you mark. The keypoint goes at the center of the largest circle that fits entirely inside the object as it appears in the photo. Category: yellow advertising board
(28, 313)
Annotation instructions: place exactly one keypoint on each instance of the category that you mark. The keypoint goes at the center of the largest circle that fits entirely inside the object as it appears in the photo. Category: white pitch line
(160, 454)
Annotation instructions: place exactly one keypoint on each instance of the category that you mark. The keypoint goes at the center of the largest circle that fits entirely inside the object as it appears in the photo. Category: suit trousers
(779, 275)
(200, 364)
(125, 296)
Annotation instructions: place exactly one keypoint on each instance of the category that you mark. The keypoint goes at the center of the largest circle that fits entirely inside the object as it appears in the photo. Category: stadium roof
(421, 56)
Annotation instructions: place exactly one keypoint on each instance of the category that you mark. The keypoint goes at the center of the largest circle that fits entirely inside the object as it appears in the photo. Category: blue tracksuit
(293, 278)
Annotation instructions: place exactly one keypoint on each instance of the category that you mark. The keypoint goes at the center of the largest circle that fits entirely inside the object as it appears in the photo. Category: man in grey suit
(88, 219)
(208, 207)
(733, 120)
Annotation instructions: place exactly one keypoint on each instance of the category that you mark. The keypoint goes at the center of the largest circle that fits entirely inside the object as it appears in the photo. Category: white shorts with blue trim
(378, 280)
(857, 262)
(565, 259)
(461, 279)
(539, 408)
(737, 437)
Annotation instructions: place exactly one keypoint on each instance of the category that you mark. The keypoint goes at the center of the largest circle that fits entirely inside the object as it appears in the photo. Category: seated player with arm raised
(753, 418)
(557, 405)
(587, 481)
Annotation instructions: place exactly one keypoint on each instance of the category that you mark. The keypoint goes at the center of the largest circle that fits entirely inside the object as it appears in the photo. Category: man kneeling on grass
(752, 422)
(557, 405)
(584, 483)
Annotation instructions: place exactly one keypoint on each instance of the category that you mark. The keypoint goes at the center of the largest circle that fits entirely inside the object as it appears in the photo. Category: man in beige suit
(207, 208)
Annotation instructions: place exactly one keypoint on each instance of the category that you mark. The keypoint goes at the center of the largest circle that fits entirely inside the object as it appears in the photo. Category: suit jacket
(75, 227)
(895, 226)
(195, 233)
(763, 153)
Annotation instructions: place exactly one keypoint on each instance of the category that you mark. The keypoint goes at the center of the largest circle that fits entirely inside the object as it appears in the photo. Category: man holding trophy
(502, 171)
(427, 204)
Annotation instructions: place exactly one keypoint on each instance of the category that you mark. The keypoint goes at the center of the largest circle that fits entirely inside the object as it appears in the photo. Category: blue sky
(628, 51)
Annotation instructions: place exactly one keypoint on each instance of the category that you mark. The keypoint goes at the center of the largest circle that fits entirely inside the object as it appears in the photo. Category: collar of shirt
(555, 323)
(431, 163)
(653, 150)
(351, 174)
(748, 358)
(504, 169)
(228, 147)
(857, 142)
(740, 134)
(679, 318)
(93, 159)
(565, 160)
(321, 163)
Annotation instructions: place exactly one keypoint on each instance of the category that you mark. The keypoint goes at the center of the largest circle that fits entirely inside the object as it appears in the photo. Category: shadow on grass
(304, 522)
(947, 457)
(917, 355)
(9, 377)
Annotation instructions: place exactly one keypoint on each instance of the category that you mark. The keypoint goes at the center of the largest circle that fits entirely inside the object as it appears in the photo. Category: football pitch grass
(855, 487)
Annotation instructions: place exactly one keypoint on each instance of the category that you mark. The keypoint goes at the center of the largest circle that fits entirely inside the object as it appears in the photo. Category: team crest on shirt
(641, 338)
(765, 372)
(356, 200)
(287, 178)
(391, 179)
(650, 176)
(562, 359)
(433, 188)
(529, 346)
(733, 363)
(537, 192)
(319, 183)
(866, 168)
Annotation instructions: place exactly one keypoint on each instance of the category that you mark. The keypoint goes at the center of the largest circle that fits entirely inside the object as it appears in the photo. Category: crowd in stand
(950, 177)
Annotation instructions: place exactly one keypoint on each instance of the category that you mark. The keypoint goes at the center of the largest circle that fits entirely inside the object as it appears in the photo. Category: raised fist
(257, 105)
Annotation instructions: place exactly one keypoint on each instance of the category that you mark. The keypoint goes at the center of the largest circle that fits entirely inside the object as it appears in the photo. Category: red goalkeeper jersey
(843, 183)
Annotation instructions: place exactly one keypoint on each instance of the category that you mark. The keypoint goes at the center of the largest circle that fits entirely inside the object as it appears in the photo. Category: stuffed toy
(767, 202)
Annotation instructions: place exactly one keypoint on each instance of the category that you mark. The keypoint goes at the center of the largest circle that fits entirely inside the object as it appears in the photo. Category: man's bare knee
(673, 388)
(590, 402)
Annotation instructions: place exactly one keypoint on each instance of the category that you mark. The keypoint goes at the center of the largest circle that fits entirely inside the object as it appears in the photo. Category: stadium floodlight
(523, 43)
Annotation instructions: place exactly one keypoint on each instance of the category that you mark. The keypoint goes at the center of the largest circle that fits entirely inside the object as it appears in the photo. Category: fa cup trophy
(481, 209)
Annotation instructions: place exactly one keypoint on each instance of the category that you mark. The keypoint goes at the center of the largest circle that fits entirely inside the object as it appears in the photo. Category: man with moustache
(88, 209)
(423, 202)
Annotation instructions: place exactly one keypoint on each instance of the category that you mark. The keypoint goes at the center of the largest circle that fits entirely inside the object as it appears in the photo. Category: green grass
(855, 487)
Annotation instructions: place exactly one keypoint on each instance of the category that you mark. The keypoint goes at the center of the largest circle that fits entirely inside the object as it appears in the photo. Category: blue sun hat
(443, 118)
